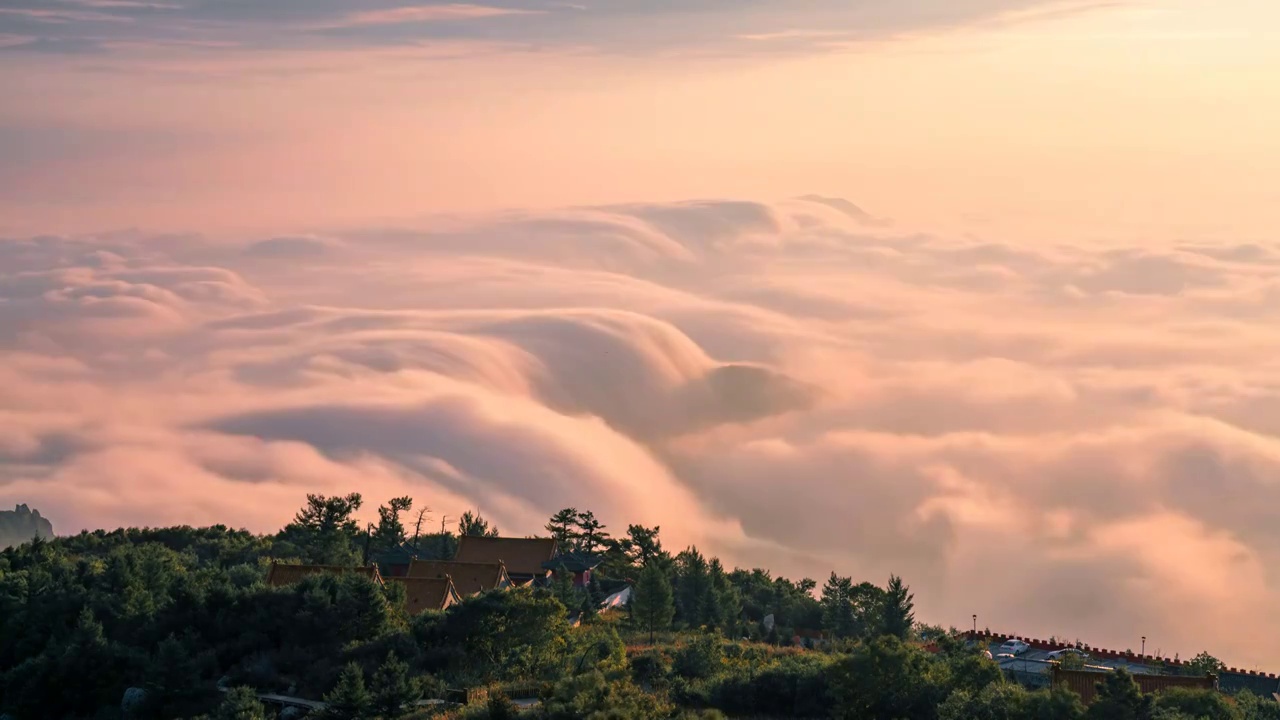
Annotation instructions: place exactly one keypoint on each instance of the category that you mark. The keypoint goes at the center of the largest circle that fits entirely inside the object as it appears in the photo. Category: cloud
(633, 27)
(427, 13)
(1071, 440)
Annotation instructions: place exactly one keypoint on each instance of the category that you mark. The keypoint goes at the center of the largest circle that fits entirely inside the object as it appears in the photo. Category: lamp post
(1144, 646)
(975, 624)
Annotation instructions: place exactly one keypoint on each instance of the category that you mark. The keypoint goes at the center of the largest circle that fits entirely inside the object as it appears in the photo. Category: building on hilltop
(580, 564)
(280, 575)
(394, 562)
(469, 578)
(1085, 682)
(523, 557)
(427, 593)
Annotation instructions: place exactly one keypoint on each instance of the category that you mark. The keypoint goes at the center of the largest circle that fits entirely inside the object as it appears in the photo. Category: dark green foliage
(393, 690)
(997, 701)
(349, 699)
(1120, 699)
(172, 610)
(796, 686)
(475, 525)
(1204, 664)
(240, 703)
(651, 668)
(1253, 707)
(652, 603)
(1195, 703)
(389, 532)
(701, 656)
(563, 526)
(885, 678)
(324, 532)
(519, 634)
(898, 609)
(597, 696)
(1054, 704)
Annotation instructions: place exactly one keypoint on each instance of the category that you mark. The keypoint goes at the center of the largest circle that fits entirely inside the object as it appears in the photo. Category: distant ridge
(21, 525)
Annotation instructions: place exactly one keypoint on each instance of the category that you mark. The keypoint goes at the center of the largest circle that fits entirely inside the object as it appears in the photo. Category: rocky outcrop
(21, 525)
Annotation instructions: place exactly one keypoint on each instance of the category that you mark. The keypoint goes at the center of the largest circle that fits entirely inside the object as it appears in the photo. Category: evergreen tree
(474, 525)
(563, 589)
(349, 699)
(837, 607)
(652, 604)
(644, 546)
(563, 526)
(693, 588)
(899, 609)
(726, 602)
(389, 532)
(393, 690)
(240, 703)
(324, 531)
(592, 537)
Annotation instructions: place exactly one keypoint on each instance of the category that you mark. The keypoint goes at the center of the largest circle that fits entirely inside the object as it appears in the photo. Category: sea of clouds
(1076, 440)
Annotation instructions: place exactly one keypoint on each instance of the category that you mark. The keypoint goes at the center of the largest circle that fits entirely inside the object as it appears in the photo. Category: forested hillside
(167, 620)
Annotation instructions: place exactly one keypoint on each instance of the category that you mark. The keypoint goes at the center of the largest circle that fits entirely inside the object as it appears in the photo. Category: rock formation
(21, 525)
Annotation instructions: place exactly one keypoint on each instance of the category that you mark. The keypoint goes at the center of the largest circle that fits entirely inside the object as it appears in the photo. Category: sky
(983, 293)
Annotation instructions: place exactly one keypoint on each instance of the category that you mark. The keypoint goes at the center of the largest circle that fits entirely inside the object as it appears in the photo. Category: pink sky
(984, 293)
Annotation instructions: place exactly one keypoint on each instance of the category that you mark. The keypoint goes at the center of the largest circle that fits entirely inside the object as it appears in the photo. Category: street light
(1144, 645)
(975, 624)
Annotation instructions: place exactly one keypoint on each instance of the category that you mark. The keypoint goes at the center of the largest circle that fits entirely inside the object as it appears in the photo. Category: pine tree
(695, 595)
(390, 531)
(837, 607)
(652, 603)
(899, 609)
(563, 527)
(591, 535)
(473, 524)
(393, 690)
(349, 700)
(240, 704)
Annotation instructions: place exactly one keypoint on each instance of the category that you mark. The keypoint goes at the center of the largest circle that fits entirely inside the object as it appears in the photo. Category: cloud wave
(1073, 440)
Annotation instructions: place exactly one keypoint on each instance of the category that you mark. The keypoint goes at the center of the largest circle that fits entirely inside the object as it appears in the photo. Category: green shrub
(701, 657)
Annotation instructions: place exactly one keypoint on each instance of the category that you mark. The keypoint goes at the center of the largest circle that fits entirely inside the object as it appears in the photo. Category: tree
(389, 532)
(1202, 704)
(837, 607)
(997, 701)
(591, 535)
(644, 545)
(1119, 698)
(240, 703)
(1204, 664)
(694, 590)
(349, 700)
(885, 678)
(473, 525)
(324, 529)
(393, 690)
(898, 613)
(563, 527)
(652, 604)
(1058, 703)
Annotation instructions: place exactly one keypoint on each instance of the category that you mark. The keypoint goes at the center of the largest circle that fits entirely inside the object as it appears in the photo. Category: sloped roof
(427, 593)
(522, 556)
(280, 574)
(398, 555)
(574, 562)
(469, 578)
